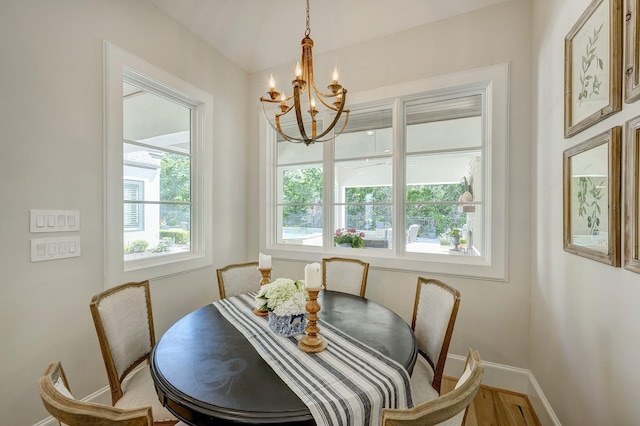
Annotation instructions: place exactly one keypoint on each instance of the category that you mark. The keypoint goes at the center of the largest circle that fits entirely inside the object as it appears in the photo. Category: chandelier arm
(278, 128)
(296, 104)
(321, 97)
(334, 122)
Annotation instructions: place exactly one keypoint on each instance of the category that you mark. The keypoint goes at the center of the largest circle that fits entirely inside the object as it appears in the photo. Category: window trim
(494, 80)
(119, 64)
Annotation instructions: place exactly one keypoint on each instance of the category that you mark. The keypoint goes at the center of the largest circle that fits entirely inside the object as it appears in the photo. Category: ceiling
(259, 34)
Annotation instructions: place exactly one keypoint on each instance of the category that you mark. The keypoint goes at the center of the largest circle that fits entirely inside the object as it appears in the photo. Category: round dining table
(207, 373)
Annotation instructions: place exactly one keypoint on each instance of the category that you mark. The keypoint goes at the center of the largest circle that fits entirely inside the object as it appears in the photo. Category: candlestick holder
(312, 342)
(266, 279)
(266, 275)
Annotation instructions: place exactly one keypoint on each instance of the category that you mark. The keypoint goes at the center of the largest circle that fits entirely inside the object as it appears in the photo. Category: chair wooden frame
(115, 381)
(365, 271)
(79, 413)
(445, 406)
(221, 271)
(438, 366)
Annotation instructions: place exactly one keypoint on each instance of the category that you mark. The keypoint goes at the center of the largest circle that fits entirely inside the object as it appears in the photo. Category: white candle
(264, 261)
(313, 276)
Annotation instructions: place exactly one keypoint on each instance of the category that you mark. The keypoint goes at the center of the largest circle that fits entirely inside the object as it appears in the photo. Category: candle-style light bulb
(283, 98)
(313, 104)
(335, 76)
(272, 83)
(298, 71)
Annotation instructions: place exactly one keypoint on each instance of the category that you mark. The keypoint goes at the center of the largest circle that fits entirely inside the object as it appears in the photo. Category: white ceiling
(259, 34)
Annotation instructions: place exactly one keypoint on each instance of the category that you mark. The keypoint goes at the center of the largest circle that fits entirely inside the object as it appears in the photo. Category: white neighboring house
(141, 178)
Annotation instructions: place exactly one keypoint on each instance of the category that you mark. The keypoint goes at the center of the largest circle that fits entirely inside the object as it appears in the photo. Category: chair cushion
(139, 391)
(421, 379)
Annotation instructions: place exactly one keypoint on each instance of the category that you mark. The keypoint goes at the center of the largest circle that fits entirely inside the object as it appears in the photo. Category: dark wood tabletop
(207, 373)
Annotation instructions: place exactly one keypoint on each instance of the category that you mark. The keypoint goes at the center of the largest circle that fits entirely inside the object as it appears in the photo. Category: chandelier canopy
(305, 96)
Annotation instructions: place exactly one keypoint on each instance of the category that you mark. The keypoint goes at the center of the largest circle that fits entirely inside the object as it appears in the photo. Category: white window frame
(119, 64)
(493, 82)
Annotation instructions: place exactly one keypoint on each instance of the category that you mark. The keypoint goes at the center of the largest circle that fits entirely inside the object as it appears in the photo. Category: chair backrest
(123, 319)
(449, 409)
(345, 275)
(60, 403)
(238, 279)
(412, 233)
(434, 315)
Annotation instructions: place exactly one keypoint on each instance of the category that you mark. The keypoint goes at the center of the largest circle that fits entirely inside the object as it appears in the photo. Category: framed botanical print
(631, 51)
(631, 194)
(592, 197)
(593, 66)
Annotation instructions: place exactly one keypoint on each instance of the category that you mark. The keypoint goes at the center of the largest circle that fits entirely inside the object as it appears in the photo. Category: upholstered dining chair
(449, 409)
(123, 319)
(62, 405)
(238, 279)
(345, 275)
(434, 315)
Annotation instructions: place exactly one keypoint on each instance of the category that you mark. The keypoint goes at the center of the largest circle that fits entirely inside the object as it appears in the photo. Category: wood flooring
(496, 407)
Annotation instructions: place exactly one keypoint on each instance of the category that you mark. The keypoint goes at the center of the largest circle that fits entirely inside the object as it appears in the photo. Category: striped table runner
(347, 384)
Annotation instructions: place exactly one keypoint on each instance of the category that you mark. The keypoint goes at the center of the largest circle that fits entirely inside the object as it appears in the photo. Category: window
(133, 212)
(158, 145)
(420, 175)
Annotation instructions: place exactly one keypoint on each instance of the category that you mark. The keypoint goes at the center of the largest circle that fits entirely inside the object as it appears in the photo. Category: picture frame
(593, 66)
(632, 196)
(631, 52)
(591, 197)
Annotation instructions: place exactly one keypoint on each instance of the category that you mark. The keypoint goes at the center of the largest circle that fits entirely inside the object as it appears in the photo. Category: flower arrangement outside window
(283, 297)
(349, 236)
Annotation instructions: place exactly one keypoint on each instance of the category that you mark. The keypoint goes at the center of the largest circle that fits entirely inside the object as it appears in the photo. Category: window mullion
(328, 164)
(398, 183)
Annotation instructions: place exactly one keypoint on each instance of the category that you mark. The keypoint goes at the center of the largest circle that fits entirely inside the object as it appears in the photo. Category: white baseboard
(510, 378)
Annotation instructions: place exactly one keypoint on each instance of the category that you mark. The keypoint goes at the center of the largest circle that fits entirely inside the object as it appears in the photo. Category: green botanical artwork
(589, 195)
(591, 65)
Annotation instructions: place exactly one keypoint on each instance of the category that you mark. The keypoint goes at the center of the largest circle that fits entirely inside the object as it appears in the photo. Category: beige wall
(494, 316)
(51, 124)
(585, 319)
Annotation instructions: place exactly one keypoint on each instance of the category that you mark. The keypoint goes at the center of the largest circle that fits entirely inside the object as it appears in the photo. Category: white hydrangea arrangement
(282, 297)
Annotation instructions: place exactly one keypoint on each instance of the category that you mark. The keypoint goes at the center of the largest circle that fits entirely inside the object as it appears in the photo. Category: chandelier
(305, 99)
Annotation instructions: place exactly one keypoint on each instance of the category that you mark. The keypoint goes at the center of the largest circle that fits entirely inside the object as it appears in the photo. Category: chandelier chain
(308, 30)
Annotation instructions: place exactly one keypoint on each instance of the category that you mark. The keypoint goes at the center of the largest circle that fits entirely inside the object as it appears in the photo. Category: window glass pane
(441, 228)
(289, 153)
(300, 215)
(300, 185)
(372, 223)
(443, 194)
(156, 121)
(367, 134)
(301, 225)
(444, 177)
(166, 231)
(156, 157)
(444, 125)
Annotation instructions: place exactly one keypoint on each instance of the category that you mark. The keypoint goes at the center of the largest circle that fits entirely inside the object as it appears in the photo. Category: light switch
(62, 221)
(52, 249)
(72, 246)
(41, 249)
(51, 221)
(62, 247)
(40, 221)
(71, 221)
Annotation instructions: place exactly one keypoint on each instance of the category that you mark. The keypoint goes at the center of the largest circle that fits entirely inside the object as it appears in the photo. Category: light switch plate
(54, 220)
(54, 248)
